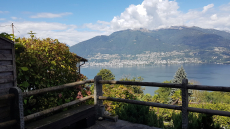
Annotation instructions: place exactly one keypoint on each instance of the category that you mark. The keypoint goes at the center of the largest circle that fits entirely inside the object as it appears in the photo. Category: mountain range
(192, 43)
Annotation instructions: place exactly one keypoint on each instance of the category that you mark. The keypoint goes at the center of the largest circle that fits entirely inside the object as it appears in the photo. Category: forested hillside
(206, 45)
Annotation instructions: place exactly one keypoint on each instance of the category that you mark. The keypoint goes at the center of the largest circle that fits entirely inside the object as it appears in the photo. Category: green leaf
(27, 78)
(53, 62)
(24, 68)
(25, 84)
(25, 101)
(67, 100)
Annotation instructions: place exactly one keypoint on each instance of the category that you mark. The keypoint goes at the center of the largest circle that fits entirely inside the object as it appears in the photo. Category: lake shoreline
(205, 74)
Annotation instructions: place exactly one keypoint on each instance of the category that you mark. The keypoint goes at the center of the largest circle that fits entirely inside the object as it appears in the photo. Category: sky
(74, 21)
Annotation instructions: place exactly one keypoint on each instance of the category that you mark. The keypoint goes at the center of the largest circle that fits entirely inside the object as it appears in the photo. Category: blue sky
(75, 21)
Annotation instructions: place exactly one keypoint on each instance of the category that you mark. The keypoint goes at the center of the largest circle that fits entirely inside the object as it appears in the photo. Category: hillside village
(149, 58)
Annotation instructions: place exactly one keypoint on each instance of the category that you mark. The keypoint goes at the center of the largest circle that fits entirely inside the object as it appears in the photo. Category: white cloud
(4, 11)
(206, 8)
(14, 18)
(50, 15)
(64, 33)
(225, 7)
(2, 19)
(150, 14)
(155, 14)
(214, 17)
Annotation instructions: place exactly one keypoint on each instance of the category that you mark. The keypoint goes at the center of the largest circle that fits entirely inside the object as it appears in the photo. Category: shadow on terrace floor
(120, 124)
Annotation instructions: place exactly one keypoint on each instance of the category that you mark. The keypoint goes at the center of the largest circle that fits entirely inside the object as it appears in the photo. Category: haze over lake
(205, 74)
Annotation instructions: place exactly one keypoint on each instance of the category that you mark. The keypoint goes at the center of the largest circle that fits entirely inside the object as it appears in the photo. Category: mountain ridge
(205, 42)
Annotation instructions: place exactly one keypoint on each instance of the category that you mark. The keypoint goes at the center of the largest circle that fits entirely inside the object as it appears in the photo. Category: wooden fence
(184, 87)
(17, 96)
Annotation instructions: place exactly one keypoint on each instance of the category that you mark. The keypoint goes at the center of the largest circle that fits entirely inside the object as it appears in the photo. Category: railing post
(184, 104)
(98, 92)
(16, 108)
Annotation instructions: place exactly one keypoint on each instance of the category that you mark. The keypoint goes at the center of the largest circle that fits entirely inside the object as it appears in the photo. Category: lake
(205, 74)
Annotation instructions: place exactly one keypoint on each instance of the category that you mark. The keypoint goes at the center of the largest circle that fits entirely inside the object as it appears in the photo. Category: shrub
(203, 121)
(139, 114)
(42, 64)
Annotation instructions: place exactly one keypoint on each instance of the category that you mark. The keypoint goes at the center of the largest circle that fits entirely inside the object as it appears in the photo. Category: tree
(8, 36)
(179, 76)
(137, 89)
(31, 34)
(162, 94)
(106, 74)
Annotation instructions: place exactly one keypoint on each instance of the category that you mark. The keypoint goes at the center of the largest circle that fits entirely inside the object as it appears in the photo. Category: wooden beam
(70, 119)
(209, 111)
(209, 88)
(151, 84)
(155, 84)
(5, 45)
(5, 91)
(16, 108)
(8, 123)
(184, 90)
(6, 57)
(6, 51)
(98, 92)
(142, 103)
(5, 68)
(54, 88)
(6, 62)
(41, 113)
(8, 96)
(6, 79)
(14, 65)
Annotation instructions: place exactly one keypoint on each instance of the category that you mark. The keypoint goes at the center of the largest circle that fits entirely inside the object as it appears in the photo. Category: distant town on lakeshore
(173, 45)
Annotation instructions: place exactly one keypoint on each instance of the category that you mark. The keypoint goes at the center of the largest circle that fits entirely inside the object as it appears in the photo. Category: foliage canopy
(43, 63)
(106, 74)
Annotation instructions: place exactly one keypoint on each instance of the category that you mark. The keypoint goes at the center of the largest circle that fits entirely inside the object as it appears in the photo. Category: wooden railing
(19, 119)
(16, 96)
(184, 87)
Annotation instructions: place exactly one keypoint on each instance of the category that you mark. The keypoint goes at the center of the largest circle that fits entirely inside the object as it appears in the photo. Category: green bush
(222, 120)
(139, 114)
(42, 64)
(203, 121)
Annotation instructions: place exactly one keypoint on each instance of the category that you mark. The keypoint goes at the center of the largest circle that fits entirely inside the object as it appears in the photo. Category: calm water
(205, 74)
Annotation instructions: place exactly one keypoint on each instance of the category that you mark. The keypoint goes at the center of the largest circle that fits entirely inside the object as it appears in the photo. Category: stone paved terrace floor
(120, 124)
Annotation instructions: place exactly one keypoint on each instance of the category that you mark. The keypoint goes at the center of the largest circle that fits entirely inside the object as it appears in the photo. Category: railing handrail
(54, 88)
(174, 107)
(98, 98)
(7, 96)
(152, 84)
(53, 109)
(8, 123)
(44, 112)
(184, 87)
(156, 84)
(40, 91)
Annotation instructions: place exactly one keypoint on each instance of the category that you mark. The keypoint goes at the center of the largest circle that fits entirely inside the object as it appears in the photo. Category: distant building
(79, 64)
